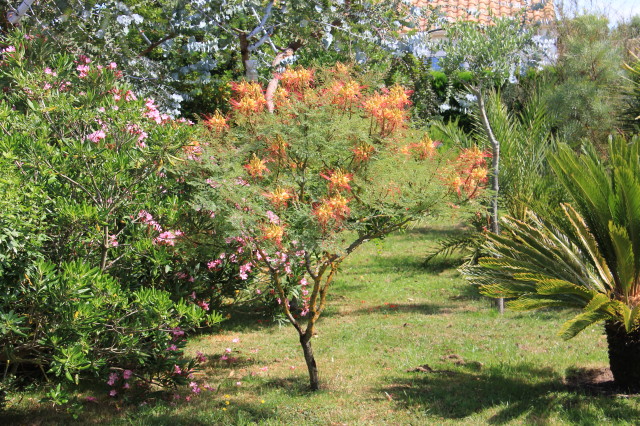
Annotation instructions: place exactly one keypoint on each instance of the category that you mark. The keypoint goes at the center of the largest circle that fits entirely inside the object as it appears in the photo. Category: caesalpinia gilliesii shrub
(335, 166)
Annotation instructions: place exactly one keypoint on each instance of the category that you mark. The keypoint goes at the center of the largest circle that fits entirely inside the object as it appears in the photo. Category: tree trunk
(624, 355)
(311, 362)
(250, 65)
(495, 170)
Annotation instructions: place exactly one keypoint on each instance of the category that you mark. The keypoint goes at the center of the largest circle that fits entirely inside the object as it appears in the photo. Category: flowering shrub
(93, 238)
(334, 167)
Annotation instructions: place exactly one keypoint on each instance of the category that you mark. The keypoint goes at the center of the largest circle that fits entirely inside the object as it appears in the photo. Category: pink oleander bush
(96, 234)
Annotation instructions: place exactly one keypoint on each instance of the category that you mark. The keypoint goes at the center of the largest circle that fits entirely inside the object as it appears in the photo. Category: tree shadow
(520, 392)
(403, 308)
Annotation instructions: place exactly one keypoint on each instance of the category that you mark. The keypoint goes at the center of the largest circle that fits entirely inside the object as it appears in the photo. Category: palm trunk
(624, 355)
(305, 341)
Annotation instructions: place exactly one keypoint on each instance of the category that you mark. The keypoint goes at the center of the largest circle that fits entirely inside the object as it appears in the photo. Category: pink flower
(214, 264)
(113, 392)
(114, 243)
(130, 96)
(172, 348)
(235, 340)
(177, 331)
(47, 86)
(83, 59)
(228, 350)
(126, 385)
(112, 379)
(126, 374)
(83, 70)
(273, 218)
(194, 387)
(9, 49)
(264, 368)
(91, 399)
(97, 136)
(176, 370)
(258, 291)
(112, 66)
(303, 282)
(203, 305)
(238, 383)
(293, 367)
(200, 357)
(224, 357)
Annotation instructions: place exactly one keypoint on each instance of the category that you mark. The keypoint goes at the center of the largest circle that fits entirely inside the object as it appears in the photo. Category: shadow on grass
(521, 392)
(403, 308)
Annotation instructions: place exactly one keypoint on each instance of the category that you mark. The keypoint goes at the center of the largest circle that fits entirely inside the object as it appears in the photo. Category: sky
(616, 10)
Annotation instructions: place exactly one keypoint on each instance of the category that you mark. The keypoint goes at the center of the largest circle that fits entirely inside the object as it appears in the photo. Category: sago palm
(588, 259)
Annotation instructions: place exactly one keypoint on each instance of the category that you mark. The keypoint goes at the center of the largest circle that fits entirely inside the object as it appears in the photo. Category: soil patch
(594, 381)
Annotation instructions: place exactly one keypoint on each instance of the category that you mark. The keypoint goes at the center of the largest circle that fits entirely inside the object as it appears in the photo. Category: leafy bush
(333, 167)
(76, 321)
(89, 225)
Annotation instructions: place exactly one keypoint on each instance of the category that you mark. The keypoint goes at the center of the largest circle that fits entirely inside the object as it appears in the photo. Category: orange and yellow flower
(363, 152)
(338, 179)
(256, 167)
(335, 207)
(216, 122)
(249, 97)
(297, 79)
(424, 149)
(280, 196)
(273, 232)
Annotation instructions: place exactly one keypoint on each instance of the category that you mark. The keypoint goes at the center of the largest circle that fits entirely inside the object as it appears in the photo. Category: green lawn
(388, 314)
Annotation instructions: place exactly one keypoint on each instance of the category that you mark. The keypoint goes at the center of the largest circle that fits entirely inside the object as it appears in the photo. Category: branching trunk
(314, 382)
(495, 167)
(250, 65)
(14, 17)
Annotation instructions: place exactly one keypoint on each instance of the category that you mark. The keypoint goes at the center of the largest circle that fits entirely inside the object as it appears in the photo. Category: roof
(538, 11)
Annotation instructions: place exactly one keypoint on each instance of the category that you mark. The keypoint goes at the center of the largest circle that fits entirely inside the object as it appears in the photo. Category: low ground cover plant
(588, 258)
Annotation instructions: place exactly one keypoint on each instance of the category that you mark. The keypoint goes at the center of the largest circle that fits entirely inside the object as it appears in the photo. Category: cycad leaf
(530, 302)
(578, 323)
(591, 245)
(625, 262)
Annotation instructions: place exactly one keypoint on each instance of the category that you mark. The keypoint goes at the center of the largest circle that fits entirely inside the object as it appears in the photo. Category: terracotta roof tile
(538, 11)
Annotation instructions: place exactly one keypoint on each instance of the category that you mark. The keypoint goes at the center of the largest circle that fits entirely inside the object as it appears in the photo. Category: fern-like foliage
(591, 259)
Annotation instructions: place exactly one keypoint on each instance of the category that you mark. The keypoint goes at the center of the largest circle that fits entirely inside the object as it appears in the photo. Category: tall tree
(490, 56)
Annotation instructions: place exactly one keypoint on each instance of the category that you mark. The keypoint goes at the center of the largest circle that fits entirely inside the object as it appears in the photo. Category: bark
(250, 70)
(624, 355)
(273, 84)
(495, 169)
(305, 341)
(14, 17)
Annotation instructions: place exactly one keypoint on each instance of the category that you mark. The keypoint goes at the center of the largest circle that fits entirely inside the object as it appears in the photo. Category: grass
(388, 314)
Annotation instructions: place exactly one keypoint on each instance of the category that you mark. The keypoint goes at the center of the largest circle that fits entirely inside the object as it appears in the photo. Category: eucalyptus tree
(190, 43)
(489, 56)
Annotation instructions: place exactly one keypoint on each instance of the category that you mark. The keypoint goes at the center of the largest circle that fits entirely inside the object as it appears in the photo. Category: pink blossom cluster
(168, 238)
(145, 217)
(135, 129)
(115, 378)
(153, 113)
(97, 136)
